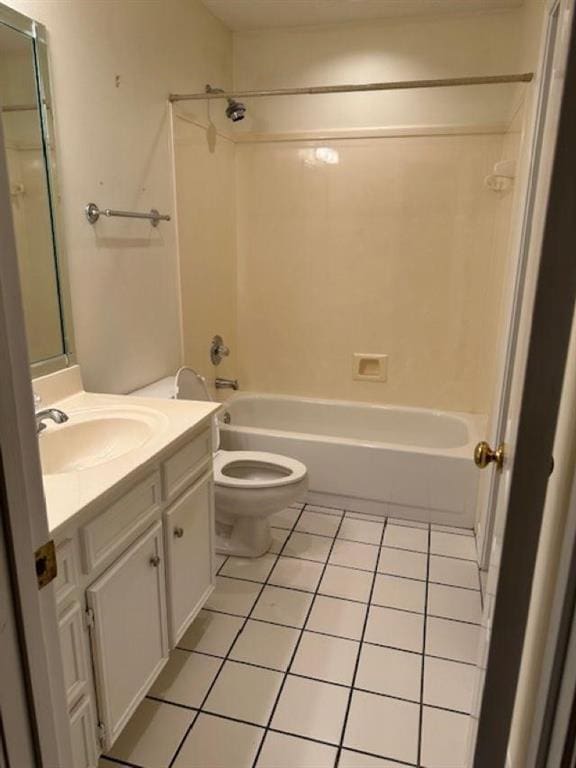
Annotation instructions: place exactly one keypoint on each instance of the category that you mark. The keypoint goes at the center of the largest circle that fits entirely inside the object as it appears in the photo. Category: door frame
(553, 735)
(543, 381)
(24, 518)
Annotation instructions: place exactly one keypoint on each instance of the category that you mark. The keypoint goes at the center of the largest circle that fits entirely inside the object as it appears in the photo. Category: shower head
(235, 110)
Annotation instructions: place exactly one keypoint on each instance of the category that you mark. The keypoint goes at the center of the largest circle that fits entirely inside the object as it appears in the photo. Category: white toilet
(249, 486)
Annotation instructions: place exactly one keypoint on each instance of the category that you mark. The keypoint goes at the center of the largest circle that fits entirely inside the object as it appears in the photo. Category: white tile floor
(352, 644)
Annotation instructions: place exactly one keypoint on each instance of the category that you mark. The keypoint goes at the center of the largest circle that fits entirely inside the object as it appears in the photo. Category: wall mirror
(27, 127)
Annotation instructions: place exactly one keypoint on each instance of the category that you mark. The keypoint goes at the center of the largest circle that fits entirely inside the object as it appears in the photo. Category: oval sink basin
(91, 438)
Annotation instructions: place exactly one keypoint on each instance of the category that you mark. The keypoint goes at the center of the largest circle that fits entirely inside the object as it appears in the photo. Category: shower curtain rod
(398, 85)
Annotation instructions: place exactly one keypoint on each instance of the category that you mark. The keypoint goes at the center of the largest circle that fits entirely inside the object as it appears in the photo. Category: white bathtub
(403, 462)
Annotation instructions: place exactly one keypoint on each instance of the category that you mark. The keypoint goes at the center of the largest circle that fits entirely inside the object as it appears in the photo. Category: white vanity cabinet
(128, 625)
(189, 526)
(132, 575)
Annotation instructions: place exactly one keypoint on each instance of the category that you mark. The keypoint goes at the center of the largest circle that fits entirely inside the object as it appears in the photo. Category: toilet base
(242, 536)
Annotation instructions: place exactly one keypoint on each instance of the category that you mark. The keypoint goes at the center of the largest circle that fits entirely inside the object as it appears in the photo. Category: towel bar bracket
(93, 213)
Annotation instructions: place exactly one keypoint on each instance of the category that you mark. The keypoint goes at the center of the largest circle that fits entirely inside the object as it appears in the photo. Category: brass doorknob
(484, 455)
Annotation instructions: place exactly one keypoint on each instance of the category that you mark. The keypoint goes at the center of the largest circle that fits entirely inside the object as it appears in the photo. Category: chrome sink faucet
(55, 414)
(226, 383)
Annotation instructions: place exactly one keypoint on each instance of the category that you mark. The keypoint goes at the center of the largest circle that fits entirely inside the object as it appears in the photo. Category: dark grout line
(294, 589)
(368, 517)
(267, 668)
(295, 650)
(340, 565)
(316, 593)
(358, 655)
(410, 701)
(456, 621)
(276, 730)
(344, 637)
(423, 658)
(225, 659)
(350, 568)
(423, 581)
(331, 635)
(321, 507)
(434, 554)
(422, 613)
(389, 546)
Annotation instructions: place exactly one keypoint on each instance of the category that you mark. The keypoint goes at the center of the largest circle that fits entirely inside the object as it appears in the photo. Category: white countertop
(70, 493)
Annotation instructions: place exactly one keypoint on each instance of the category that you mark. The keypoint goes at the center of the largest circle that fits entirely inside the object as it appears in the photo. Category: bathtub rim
(475, 424)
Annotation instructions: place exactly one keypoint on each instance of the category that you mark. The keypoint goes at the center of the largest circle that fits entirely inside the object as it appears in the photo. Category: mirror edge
(67, 359)
(37, 33)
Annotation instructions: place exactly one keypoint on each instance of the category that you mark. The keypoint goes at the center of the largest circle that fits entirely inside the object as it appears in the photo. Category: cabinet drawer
(83, 735)
(112, 531)
(71, 630)
(189, 544)
(67, 579)
(184, 466)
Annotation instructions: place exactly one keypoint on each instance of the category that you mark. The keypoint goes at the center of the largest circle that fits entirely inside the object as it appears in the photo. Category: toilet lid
(256, 469)
(192, 386)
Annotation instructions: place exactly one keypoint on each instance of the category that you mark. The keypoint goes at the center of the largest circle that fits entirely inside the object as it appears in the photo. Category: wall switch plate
(369, 367)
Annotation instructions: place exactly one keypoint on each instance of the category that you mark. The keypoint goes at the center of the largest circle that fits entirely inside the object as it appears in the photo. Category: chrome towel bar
(93, 213)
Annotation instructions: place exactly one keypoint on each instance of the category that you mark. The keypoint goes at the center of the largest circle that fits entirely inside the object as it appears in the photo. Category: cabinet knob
(155, 561)
(178, 532)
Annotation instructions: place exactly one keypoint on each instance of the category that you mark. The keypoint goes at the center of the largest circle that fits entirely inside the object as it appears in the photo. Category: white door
(534, 181)
(551, 73)
(189, 545)
(42, 729)
(129, 632)
(16, 746)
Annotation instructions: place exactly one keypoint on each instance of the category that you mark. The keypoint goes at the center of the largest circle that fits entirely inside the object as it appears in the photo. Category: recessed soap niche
(369, 367)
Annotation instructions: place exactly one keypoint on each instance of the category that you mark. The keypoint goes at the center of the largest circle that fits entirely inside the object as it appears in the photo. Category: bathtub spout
(226, 383)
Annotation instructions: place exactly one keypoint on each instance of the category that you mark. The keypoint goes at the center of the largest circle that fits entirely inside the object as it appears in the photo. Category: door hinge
(101, 734)
(89, 619)
(46, 565)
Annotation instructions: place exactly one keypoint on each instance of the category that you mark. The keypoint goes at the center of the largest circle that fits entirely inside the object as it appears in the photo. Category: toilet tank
(163, 388)
(185, 385)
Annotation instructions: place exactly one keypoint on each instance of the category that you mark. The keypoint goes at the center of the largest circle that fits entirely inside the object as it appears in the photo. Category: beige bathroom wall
(383, 50)
(206, 195)
(397, 248)
(113, 66)
(373, 246)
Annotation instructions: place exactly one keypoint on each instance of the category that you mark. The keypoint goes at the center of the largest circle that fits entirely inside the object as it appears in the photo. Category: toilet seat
(256, 469)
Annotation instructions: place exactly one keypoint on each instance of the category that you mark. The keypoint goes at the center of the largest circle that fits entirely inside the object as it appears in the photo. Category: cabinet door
(189, 549)
(129, 637)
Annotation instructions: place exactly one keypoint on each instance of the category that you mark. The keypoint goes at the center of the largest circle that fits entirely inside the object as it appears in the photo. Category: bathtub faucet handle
(218, 350)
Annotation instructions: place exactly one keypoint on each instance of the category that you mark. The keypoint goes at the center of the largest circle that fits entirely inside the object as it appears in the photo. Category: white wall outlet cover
(369, 367)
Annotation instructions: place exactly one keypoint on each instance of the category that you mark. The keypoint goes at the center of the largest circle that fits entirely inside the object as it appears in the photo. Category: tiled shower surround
(352, 644)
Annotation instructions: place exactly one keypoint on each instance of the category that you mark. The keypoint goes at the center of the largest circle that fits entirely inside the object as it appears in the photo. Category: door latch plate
(46, 565)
